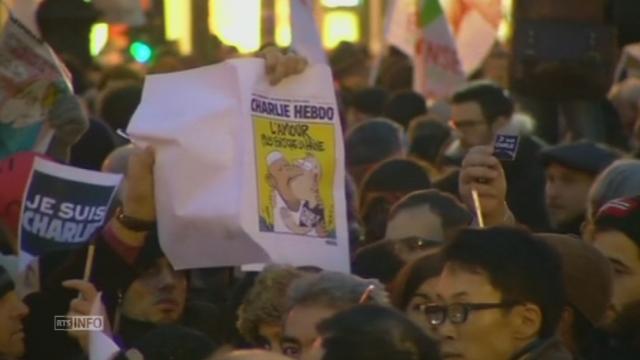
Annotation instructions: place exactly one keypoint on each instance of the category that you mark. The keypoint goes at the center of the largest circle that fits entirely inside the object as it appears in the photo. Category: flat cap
(583, 155)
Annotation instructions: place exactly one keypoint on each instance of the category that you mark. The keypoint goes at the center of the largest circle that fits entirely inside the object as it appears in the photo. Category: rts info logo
(87, 323)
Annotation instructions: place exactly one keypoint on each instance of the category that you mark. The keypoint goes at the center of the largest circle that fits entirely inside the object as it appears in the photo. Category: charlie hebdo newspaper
(295, 164)
(246, 172)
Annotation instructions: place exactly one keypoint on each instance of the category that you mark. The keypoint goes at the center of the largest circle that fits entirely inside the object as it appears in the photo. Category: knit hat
(622, 215)
(6, 283)
(583, 155)
(587, 274)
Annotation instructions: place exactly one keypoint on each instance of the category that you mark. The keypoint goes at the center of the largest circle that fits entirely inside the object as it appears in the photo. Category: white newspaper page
(246, 172)
(295, 204)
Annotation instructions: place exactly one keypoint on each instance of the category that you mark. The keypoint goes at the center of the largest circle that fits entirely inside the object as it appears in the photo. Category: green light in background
(141, 51)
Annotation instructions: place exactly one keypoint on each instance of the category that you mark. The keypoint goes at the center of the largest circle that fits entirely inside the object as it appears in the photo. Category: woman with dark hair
(414, 288)
(371, 332)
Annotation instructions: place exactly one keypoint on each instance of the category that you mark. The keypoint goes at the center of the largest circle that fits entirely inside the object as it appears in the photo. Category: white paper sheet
(212, 188)
(101, 346)
(304, 32)
(401, 26)
(437, 68)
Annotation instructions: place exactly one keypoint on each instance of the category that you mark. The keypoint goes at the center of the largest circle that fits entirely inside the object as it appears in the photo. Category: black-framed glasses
(463, 124)
(457, 313)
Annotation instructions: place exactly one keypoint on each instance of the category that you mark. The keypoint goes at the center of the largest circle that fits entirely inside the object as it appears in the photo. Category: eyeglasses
(457, 313)
(466, 124)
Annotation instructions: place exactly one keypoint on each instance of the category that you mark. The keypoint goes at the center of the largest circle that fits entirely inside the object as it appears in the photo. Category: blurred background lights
(237, 23)
(339, 25)
(99, 36)
(141, 51)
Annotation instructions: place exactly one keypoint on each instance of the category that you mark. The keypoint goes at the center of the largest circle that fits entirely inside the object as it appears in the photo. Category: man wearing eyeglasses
(479, 112)
(499, 297)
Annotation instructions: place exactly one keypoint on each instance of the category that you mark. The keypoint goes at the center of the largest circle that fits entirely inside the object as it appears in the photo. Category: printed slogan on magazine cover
(295, 163)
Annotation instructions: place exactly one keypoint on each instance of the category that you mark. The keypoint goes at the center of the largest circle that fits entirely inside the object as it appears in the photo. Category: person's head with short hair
(383, 186)
(396, 71)
(428, 214)
(440, 110)
(250, 355)
(478, 111)
(404, 106)
(371, 332)
(588, 282)
(350, 66)
(170, 342)
(369, 143)
(571, 170)
(499, 292)
(316, 297)
(158, 294)
(118, 104)
(617, 235)
(80, 80)
(428, 138)
(379, 260)
(12, 313)
(119, 74)
(415, 287)
(260, 315)
(366, 104)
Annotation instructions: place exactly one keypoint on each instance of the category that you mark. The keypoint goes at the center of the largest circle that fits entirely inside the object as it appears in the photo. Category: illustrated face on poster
(295, 177)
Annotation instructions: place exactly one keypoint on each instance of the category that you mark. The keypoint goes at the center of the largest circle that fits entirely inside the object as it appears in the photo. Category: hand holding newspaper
(246, 172)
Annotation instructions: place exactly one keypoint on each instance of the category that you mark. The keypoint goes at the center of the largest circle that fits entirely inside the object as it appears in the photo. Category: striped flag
(475, 26)
(401, 27)
(437, 69)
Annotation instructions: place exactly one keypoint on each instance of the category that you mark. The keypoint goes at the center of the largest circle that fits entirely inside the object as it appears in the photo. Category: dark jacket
(198, 316)
(112, 275)
(549, 349)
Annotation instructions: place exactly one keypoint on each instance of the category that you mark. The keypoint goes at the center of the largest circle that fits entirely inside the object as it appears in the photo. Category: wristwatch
(133, 223)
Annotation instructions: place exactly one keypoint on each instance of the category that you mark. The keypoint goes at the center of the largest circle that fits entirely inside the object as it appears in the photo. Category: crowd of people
(455, 253)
